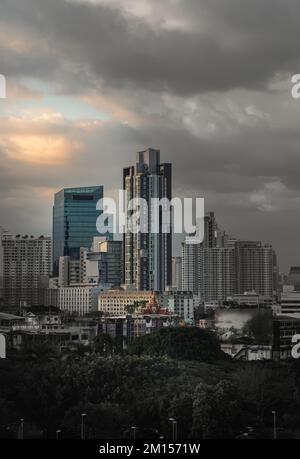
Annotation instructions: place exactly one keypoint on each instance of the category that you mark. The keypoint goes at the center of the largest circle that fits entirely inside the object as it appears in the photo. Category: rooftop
(6, 316)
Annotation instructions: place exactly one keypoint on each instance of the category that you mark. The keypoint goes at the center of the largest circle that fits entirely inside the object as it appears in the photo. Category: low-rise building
(290, 302)
(65, 337)
(78, 299)
(181, 303)
(249, 299)
(7, 321)
(121, 302)
(211, 306)
(248, 352)
(51, 327)
(285, 326)
(147, 319)
(206, 323)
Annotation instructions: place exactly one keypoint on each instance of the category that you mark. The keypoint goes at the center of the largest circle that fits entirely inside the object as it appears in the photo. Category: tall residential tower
(148, 256)
(221, 267)
(26, 270)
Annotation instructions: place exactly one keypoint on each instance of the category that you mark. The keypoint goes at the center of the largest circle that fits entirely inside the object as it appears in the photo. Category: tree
(215, 411)
(263, 388)
(131, 308)
(179, 343)
(210, 399)
(104, 344)
(42, 352)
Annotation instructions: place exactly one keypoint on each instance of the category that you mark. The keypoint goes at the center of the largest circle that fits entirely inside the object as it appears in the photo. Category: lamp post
(83, 415)
(21, 429)
(274, 425)
(174, 428)
(134, 429)
(58, 432)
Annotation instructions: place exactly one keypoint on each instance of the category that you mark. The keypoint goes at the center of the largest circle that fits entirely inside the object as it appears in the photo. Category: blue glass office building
(74, 221)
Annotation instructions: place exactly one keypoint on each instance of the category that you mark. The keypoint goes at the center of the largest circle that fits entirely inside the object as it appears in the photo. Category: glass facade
(74, 221)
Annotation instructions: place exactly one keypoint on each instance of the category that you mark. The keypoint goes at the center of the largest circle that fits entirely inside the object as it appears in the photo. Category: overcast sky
(208, 82)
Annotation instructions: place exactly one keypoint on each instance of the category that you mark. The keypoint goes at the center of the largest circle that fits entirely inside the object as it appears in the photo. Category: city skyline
(176, 246)
(79, 105)
(149, 223)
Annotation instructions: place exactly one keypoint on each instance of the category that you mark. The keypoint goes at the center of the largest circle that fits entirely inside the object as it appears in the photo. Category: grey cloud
(243, 45)
(230, 44)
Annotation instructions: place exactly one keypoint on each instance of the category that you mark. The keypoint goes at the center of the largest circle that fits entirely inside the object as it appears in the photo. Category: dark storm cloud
(231, 43)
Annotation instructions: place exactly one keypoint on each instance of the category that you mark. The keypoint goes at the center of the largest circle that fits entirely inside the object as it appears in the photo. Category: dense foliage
(210, 396)
(179, 343)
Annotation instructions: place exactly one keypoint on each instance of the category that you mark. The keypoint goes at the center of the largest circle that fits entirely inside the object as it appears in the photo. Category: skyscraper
(177, 273)
(2, 231)
(212, 233)
(74, 221)
(147, 256)
(26, 270)
(110, 262)
(217, 275)
(104, 264)
(221, 267)
(209, 271)
(198, 259)
(255, 267)
(190, 268)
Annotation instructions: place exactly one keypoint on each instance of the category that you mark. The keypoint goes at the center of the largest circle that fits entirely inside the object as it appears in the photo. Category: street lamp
(57, 434)
(174, 428)
(134, 429)
(83, 415)
(274, 425)
(21, 434)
